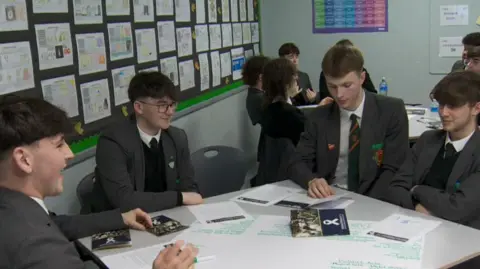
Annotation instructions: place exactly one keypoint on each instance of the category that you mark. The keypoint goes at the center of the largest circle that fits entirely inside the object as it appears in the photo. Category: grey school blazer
(30, 238)
(383, 144)
(460, 201)
(120, 171)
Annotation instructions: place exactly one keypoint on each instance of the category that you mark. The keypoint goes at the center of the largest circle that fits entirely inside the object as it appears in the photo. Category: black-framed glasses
(162, 107)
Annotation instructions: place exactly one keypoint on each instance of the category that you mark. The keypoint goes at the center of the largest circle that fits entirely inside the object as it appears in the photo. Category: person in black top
(252, 76)
(323, 89)
(280, 118)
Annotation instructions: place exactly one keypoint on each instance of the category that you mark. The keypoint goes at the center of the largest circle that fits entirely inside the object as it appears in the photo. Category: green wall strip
(91, 141)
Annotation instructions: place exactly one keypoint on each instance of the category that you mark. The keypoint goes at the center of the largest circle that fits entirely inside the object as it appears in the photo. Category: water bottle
(383, 88)
(434, 108)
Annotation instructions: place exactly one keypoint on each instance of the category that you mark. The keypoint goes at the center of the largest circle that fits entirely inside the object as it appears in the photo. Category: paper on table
(215, 36)
(146, 45)
(200, 11)
(238, 59)
(87, 11)
(204, 71)
(234, 10)
(95, 100)
(226, 64)
(143, 11)
(164, 7)
(341, 203)
(237, 34)
(301, 200)
(92, 56)
(265, 195)
(251, 11)
(242, 8)
(166, 36)
(225, 10)
(201, 38)
(16, 67)
(186, 74)
(215, 62)
(235, 228)
(120, 40)
(226, 35)
(453, 15)
(168, 67)
(50, 6)
(182, 10)
(121, 79)
(451, 47)
(402, 228)
(62, 92)
(219, 212)
(272, 226)
(212, 11)
(247, 33)
(54, 44)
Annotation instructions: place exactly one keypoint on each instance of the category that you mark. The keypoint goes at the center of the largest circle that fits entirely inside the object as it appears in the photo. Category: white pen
(204, 259)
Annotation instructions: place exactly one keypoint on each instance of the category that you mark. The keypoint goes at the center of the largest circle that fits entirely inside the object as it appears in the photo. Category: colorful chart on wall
(347, 16)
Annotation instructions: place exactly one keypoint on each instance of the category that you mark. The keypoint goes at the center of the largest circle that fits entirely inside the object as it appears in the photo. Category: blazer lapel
(368, 127)
(333, 140)
(170, 153)
(138, 161)
(464, 160)
(427, 157)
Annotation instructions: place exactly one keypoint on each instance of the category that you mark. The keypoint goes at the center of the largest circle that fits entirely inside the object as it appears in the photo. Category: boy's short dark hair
(277, 75)
(341, 60)
(287, 49)
(25, 121)
(473, 52)
(344, 42)
(151, 84)
(457, 89)
(472, 39)
(253, 68)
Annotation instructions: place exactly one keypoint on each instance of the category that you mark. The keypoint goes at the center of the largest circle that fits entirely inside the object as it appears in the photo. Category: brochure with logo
(111, 239)
(313, 222)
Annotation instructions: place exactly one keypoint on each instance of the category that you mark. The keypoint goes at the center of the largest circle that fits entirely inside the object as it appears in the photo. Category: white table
(448, 243)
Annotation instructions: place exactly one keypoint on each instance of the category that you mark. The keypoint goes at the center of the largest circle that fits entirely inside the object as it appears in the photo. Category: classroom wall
(223, 123)
(401, 54)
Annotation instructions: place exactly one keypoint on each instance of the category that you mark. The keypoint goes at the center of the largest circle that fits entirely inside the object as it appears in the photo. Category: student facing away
(441, 175)
(144, 161)
(357, 142)
(252, 76)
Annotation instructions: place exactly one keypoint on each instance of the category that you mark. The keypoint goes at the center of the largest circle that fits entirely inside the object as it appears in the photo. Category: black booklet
(313, 222)
(111, 239)
(163, 225)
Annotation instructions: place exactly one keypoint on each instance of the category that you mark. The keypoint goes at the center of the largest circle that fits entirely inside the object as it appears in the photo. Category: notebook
(313, 222)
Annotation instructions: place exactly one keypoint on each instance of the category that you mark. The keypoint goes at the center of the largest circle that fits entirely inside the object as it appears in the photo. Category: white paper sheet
(88, 11)
(248, 54)
(164, 7)
(212, 11)
(143, 11)
(451, 47)
(150, 69)
(227, 39)
(121, 79)
(54, 45)
(16, 68)
(186, 74)
(226, 64)
(92, 56)
(301, 200)
(237, 34)
(184, 40)
(95, 100)
(247, 33)
(340, 203)
(256, 49)
(219, 213)
(242, 8)
(146, 45)
(117, 7)
(402, 228)
(255, 31)
(251, 11)
(453, 15)
(166, 36)
(204, 71)
(120, 40)
(265, 195)
(182, 10)
(13, 16)
(238, 59)
(200, 11)
(140, 258)
(169, 67)
(202, 42)
(62, 92)
(234, 10)
(225, 10)
(215, 36)
(50, 6)
(215, 63)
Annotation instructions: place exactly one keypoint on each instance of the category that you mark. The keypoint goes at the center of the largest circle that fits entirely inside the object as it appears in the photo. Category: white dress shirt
(459, 144)
(146, 138)
(41, 203)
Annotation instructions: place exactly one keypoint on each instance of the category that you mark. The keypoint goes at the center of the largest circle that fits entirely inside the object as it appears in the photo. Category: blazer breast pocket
(378, 154)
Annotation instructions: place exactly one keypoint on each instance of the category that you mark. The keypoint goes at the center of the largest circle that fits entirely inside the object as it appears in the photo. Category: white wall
(223, 123)
(401, 54)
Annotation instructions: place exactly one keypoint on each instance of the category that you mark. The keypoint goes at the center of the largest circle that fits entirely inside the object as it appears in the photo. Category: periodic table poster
(348, 16)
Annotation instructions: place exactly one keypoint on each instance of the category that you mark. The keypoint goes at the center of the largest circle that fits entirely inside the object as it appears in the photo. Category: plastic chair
(219, 169)
(84, 193)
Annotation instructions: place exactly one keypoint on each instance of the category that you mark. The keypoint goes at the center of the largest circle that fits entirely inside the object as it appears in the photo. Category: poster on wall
(347, 16)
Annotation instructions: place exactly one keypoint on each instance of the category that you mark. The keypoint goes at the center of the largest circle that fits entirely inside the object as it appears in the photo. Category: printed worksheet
(215, 36)
(168, 67)
(226, 64)
(251, 10)
(182, 10)
(88, 11)
(121, 79)
(146, 45)
(117, 7)
(202, 42)
(95, 100)
(13, 15)
(164, 7)
(184, 40)
(16, 68)
(62, 92)
(150, 69)
(187, 75)
(212, 11)
(143, 10)
(238, 59)
(50, 6)
(200, 11)
(225, 10)
(242, 8)
(91, 53)
(237, 34)
(204, 71)
(255, 31)
(247, 33)
(215, 60)
(166, 36)
(256, 49)
(120, 40)
(54, 44)
(248, 54)
(227, 35)
(234, 10)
